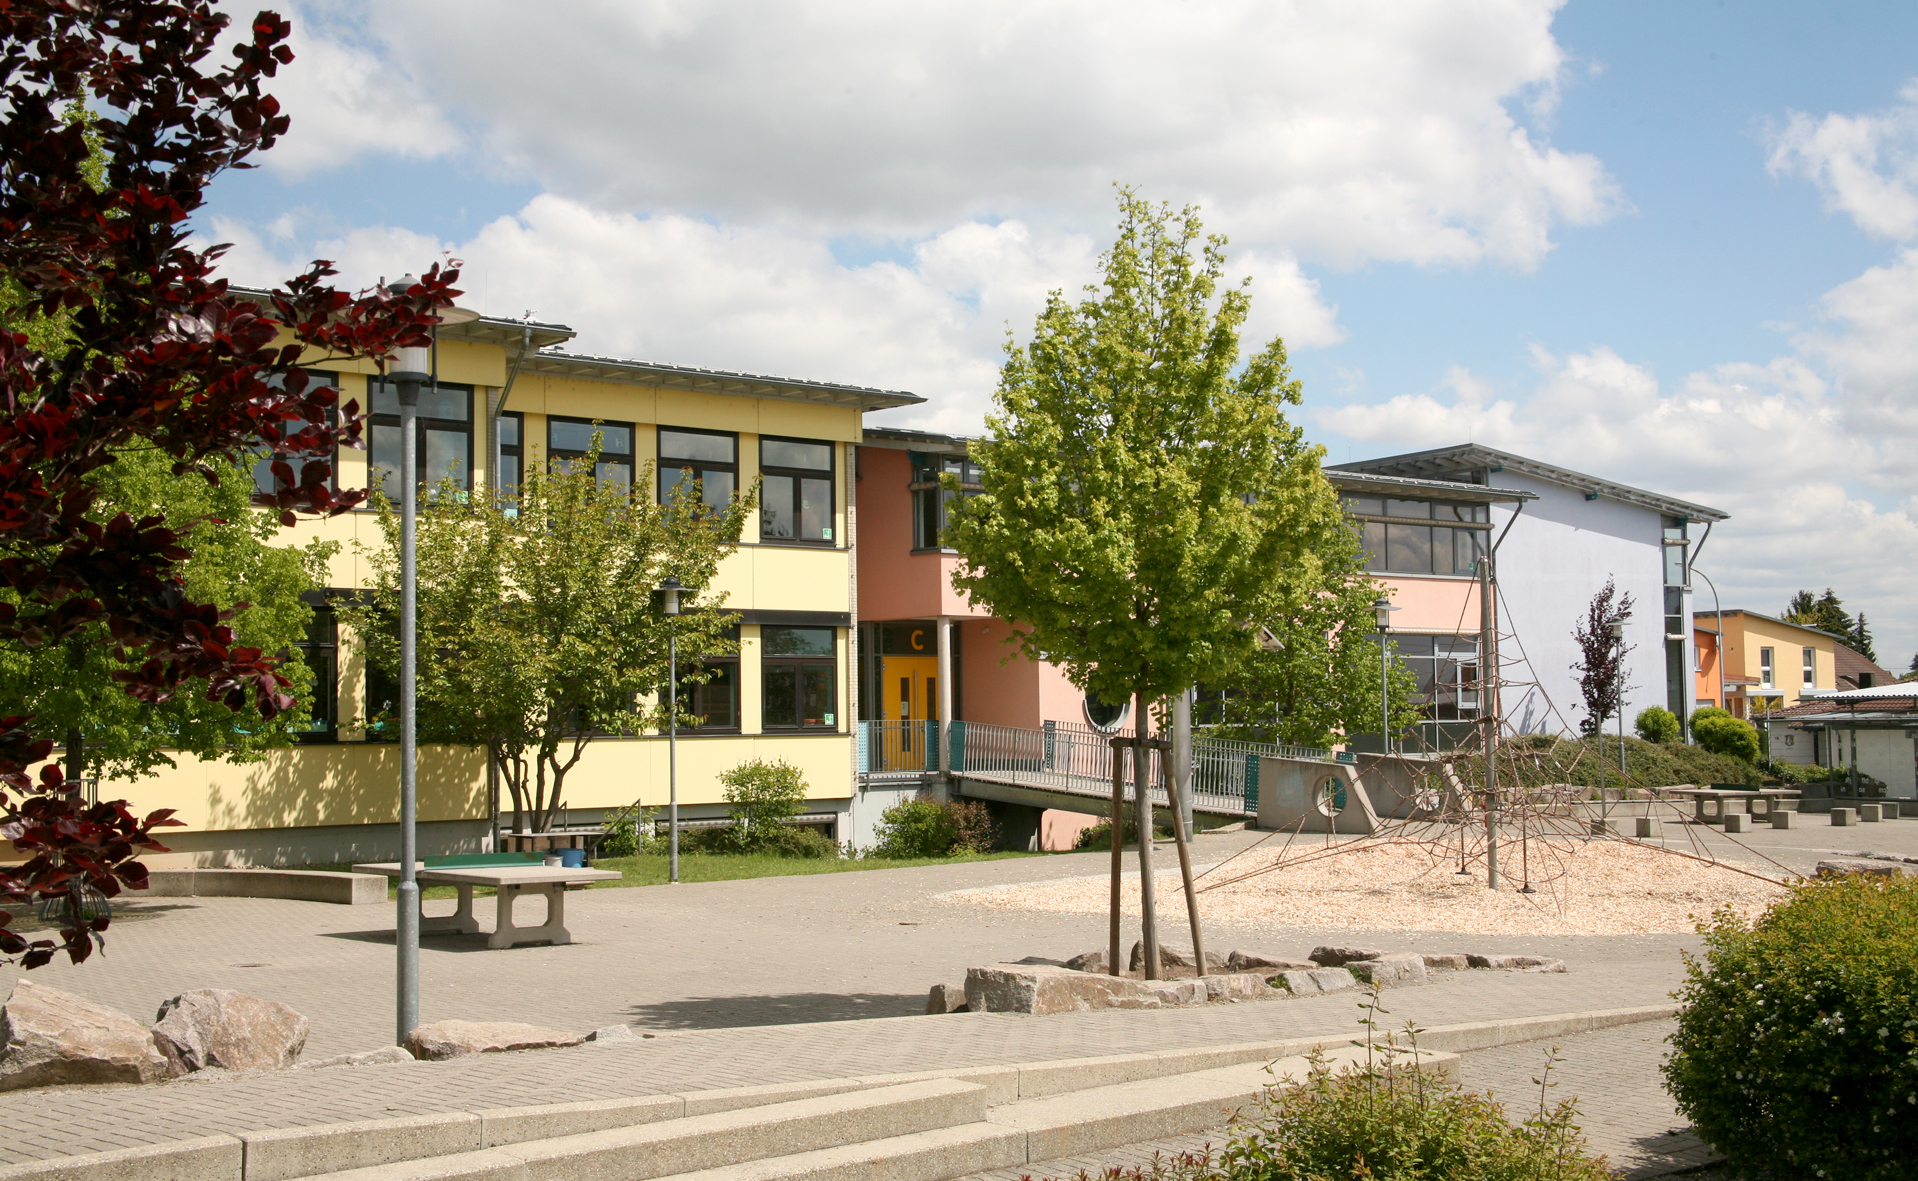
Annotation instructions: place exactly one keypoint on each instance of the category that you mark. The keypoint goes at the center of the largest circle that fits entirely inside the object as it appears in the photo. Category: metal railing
(903, 750)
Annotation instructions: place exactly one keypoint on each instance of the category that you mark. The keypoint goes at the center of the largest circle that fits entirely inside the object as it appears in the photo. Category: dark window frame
(263, 459)
(932, 501)
(629, 457)
(374, 383)
(796, 475)
(1448, 528)
(515, 451)
(769, 660)
(320, 650)
(698, 466)
(689, 695)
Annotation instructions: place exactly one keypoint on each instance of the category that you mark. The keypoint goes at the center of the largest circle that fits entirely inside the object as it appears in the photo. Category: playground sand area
(1581, 888)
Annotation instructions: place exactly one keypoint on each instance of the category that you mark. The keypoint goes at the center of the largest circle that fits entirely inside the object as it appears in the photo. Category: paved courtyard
(781, 979)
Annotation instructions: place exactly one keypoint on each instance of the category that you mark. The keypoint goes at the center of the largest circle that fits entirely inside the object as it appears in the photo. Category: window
(710, 457)
(1866, 680)
(795, 491)
(1764, 668)
(1447, 672)
(382, 704)
(1811, 668)
(800, 670)
(569, 440)
(445, 449)
(321, 653)
(263, 465)
(1399, 546)
(512, 452)
(716, 702)
(930, 502)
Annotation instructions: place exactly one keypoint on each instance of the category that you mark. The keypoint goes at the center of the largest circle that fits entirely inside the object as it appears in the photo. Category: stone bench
(302, 885)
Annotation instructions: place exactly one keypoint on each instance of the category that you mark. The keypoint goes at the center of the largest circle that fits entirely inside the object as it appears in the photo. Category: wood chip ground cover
(1583, 888)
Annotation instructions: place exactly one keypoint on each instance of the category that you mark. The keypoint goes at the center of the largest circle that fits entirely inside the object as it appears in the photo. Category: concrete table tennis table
(509, 882)
(1708, 803)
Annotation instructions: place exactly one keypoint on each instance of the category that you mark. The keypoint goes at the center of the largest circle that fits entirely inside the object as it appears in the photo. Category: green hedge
(1797, 1048)
(1539, 759)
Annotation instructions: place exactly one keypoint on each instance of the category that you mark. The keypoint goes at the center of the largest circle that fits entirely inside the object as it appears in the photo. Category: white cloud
(1866, 165)
(1328, 131)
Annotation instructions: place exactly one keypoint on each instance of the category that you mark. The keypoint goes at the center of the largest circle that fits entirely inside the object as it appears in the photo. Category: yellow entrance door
(908, 698)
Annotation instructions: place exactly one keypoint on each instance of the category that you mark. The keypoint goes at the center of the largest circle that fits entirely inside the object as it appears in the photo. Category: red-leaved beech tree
(153, 352)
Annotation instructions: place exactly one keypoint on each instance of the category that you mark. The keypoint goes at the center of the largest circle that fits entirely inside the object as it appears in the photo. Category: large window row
(1400, 544)
(797, 500)
(931, 501)
(799, 685)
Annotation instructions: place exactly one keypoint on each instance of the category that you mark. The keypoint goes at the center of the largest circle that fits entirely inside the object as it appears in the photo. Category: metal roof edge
(553, 362)
(1845, 640)
(1452, 488)
(1545, 471)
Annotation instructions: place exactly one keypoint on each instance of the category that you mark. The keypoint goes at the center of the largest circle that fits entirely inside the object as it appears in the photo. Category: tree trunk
(1142, 785)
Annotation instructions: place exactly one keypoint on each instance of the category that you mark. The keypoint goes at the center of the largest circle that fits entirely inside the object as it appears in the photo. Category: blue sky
(1667, 243)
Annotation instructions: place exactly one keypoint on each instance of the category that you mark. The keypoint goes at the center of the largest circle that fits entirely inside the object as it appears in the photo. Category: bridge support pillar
(1018, 825)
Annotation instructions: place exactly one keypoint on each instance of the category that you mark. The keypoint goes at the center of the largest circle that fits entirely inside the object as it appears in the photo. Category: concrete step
(703, 1142)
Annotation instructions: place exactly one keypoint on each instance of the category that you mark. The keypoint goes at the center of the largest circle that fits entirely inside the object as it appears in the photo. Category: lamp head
(1382, 609)
(669, 589)
(1618, 631)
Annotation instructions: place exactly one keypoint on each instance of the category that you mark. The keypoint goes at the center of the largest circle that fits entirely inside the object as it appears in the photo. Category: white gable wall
(1555, 559)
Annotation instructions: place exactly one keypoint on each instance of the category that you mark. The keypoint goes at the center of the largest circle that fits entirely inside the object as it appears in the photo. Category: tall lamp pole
(1382, 609)
(669, 601)
(411, 366)
(1718, 620)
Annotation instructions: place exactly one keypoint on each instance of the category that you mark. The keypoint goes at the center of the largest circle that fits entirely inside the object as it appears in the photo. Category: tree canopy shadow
(725, 1012)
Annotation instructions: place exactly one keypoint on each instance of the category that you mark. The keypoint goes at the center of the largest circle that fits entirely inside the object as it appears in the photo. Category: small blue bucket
(572, 858)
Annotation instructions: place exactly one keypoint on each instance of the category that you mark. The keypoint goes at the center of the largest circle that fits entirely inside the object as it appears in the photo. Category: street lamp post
(411, 366)
(1382, 609)
(669, 602)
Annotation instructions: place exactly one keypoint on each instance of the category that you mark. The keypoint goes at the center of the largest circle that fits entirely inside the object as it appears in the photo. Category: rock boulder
(1090, 961)
(1172, 957)
(383, 1056)
(1336, 957)
(1391, 971)
(49, 1037)
(454, 1039)
(220, 1027)
(1527, 963)
(1446, 962)
(1310, 981)
(1248, 961)
(946, 998)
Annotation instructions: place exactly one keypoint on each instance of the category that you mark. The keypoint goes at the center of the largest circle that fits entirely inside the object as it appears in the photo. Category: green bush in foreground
(1657, 724)
(1797, 1049)
(1384, 1121)
(925, 827)
(764, 795)
(1099, 836)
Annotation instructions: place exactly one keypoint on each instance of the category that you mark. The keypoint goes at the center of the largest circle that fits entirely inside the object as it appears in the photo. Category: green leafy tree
(538, 626)
(1142, 485)
(1315, 678)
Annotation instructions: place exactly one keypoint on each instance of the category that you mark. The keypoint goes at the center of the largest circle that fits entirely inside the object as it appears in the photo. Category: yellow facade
(1748, 637)
(352, 782)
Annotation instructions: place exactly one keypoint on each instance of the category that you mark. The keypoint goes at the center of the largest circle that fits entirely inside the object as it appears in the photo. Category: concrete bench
(508, 881)
(304, 885)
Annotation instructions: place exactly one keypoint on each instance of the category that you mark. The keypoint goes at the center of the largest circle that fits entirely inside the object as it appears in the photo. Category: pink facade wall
(1432, 604)
(894, 582)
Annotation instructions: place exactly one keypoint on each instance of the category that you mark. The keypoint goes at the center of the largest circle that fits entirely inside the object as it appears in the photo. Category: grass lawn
(650, 870)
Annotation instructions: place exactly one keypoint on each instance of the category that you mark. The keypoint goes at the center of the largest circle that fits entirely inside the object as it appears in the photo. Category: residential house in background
(508, 398)
(1572, 533)
(1770, 663)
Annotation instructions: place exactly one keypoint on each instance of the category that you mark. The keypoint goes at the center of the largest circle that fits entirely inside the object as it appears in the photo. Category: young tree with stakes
(156, 355)
(1142, 488)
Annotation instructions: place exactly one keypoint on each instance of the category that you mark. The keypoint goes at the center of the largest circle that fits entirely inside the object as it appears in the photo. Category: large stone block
(1446, 962)
(453, 1039)
(1525, 963)
(1089, 961)
(1334, 957)
(1843, 866)
(1737, 822)
(1170, 957)
(1391, 971)
(1248, 961)
(49, 1037)
(1781, 818)
(1042, 989)
(1315, 980)
(1844, 817)
(946, 998)
(220, 1027)
(1870, 813)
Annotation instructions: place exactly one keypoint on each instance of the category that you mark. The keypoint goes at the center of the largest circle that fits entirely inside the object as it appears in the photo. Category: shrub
(1099, 836)
(627, 833)
(926, 827)
(763, 796)
(1384, 1121)
(1723, 734)
(1657, 724)
(1797, 1048)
